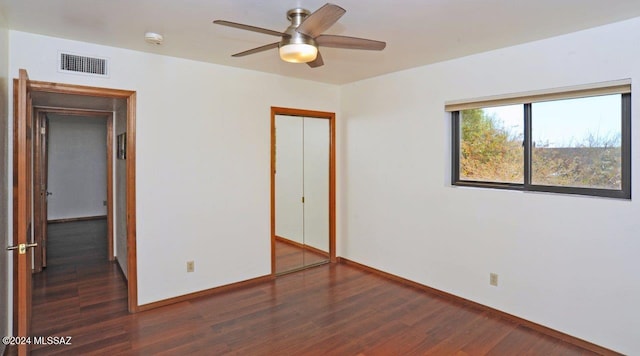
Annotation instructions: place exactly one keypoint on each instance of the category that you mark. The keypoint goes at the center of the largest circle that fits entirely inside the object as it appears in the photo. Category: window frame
(625, 170)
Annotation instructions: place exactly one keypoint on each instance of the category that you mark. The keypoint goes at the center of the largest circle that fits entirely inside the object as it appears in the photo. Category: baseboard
(302, 246)
(83, 218)
(227, 287)
(207, 292)
(459, 300)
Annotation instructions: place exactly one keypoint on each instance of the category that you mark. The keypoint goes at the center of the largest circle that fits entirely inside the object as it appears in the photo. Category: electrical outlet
(493, 279)
(190, 266)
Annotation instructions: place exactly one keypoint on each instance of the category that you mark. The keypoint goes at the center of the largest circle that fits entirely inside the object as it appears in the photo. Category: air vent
(73, 63)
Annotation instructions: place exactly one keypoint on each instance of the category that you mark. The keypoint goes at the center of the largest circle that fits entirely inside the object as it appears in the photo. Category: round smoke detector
(153, 38)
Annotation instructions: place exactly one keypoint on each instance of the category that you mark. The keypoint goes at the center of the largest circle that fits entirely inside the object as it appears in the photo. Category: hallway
(79, 289)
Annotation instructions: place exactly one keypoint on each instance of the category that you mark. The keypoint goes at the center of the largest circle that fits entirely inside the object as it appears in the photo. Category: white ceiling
(417, 32)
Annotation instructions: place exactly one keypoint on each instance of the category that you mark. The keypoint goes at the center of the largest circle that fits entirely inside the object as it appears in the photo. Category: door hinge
(303, 200)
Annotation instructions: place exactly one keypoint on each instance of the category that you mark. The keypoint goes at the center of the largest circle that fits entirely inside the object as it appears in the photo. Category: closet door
(316, 188)
(289, 180)
(302, 155)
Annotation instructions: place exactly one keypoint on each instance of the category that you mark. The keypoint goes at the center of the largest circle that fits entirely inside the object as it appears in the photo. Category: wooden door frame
(275, 110)
(130, 97)
(98, 114)
(22, 223)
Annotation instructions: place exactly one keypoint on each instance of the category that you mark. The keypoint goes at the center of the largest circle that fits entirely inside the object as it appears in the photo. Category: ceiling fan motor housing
(296, 16)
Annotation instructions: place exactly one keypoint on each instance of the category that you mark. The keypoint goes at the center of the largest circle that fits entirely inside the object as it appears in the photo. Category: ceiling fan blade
(349, 42)
(316, 62)
(250, 28)
(257, 49)
(320, 20)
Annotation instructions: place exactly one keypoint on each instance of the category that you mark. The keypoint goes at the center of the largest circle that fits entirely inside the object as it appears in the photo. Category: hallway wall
(120, 193)
(77, 169)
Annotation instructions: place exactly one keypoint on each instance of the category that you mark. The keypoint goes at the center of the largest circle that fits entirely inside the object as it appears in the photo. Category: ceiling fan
(300, 41)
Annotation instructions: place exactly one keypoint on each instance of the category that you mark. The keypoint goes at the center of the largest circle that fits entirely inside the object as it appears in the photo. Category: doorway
(47, 95)
(302, 189)
(73, 158)
(67, 98)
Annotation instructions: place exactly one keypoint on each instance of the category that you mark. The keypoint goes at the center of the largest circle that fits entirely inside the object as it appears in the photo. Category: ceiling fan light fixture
(299, 42)
(153, 38)
(298, 52)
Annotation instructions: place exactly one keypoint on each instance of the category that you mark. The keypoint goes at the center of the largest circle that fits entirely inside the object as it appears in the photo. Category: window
(575, 142)
(491, 147)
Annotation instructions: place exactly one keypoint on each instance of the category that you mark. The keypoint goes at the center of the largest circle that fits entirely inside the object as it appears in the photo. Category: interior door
(40, 135)
(22, 210)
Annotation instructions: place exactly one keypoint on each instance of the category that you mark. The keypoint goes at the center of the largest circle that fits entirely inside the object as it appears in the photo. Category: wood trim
(466, 302)
(22, 186)
(302, 246)
(273, 192)
(61, 88)
(207, 292)
(132, 264)
(82, 218)
(275, 110)
(332, 189)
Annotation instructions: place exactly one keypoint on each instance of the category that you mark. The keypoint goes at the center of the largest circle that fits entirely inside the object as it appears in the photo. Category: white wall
(77, 167)
(203, 143)
(4, 201)
(567, 262)
(120, 192)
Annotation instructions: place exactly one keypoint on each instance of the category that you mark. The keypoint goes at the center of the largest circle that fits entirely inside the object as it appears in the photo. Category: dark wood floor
(290, 257)
(326, 310)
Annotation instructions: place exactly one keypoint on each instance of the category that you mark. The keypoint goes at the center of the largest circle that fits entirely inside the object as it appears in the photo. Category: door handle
(49, 193)
(22, 248)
